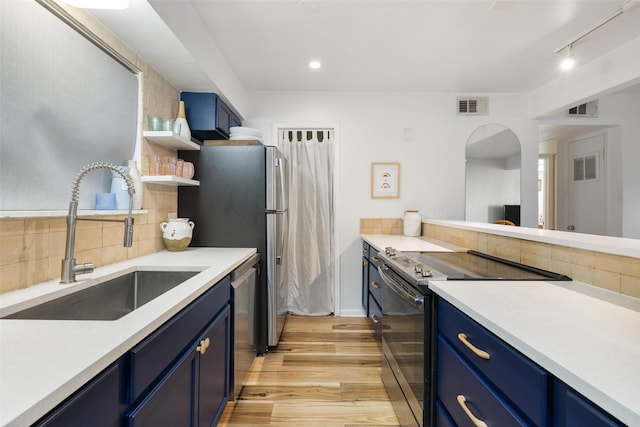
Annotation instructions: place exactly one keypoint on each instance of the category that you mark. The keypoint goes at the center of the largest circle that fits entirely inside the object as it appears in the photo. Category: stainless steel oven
(409, 329)
(406, 347)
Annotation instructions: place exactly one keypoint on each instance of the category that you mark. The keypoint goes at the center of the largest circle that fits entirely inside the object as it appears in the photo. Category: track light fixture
(568, 62)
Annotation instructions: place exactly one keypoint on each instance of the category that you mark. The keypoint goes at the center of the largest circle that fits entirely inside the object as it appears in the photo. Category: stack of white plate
(241, 133)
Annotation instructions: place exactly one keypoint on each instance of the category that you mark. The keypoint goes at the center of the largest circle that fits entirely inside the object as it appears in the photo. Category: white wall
(491, 184)
(432, 165)
(623, 146)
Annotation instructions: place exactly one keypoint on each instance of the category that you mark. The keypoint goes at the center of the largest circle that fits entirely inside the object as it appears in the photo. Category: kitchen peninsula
(585, 336)
(42, 362)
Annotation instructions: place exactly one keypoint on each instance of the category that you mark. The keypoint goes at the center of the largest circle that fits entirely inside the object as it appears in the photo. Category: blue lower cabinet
(214, 370)
(442, 418)
(96, 404)
(574, 410)
(172, 401)
(195, 390)
(178, 376)
(466, 396)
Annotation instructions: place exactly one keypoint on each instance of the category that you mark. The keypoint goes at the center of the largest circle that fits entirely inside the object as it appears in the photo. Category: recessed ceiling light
(314, 65)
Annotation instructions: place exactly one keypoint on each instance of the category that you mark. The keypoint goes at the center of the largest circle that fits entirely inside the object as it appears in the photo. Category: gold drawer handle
(462, 401)
(375, 285)
(480, 353)
(374, 319)
(204, 345)
(375, 259)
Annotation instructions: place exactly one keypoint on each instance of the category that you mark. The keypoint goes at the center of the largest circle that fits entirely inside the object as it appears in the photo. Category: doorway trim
(276, 127)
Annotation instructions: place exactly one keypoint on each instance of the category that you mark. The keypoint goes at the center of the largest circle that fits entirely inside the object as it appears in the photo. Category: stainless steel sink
(109, 300)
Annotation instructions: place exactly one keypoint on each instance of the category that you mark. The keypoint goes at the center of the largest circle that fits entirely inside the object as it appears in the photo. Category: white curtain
(308, 268)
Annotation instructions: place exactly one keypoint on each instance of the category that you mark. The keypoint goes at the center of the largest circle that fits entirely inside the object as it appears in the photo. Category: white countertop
(408, 244)
(591, 242)
(590, 344)
(44, 361)
(586, 336)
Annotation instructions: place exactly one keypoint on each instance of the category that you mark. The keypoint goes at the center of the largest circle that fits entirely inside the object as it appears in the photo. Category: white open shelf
(169, 180)
(170, 139)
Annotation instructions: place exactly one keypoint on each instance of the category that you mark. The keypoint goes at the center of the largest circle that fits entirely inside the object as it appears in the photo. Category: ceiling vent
(588, 109)
(473, 106)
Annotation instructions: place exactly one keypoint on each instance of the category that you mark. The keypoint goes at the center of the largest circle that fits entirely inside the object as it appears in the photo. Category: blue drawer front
(573, 410)
(97, 404)
(365, 286)
(375, 317)
(519, 379)
(443, 419)
(456, 377)
(373, 254)
(365, 250)
(156, 352)
(375, 283)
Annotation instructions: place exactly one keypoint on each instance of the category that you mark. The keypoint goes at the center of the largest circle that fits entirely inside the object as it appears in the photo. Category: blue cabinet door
(96, 404)
(365, 286)
(208, 116)
(171, 402)
(214, 372)
(573, 410)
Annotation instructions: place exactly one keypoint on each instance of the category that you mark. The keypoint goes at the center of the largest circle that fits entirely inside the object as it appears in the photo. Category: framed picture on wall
(385, 180)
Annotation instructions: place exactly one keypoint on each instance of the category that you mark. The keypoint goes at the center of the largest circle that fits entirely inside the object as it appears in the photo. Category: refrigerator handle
(283, 200)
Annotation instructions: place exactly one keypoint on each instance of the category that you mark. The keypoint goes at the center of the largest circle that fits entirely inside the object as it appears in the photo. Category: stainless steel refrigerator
(242, 202)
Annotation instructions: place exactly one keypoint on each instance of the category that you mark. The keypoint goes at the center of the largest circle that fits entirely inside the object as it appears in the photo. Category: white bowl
(241, 130)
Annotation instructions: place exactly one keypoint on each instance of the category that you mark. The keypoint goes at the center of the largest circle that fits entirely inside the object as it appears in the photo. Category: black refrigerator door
(228, 208)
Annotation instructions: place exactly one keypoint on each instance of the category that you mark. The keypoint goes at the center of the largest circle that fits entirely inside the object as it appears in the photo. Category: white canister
(412, 223)
(177, 233)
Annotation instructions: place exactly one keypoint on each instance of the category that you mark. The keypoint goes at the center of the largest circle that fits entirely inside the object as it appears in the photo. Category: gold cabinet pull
(480, 353)
(375, 285)
(204, 345)
(375, 259)
(462, 401)
(374, 319)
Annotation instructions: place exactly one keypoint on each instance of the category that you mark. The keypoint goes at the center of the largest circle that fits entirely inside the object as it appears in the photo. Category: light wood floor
(324, 373)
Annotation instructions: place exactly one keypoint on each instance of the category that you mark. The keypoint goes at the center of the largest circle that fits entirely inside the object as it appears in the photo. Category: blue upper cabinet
(208, 116)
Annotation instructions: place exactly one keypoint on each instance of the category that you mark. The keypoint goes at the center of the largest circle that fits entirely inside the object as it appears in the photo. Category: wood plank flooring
(324, 373)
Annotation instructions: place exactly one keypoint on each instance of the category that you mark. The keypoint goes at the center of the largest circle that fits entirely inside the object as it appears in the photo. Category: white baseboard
(352, 313)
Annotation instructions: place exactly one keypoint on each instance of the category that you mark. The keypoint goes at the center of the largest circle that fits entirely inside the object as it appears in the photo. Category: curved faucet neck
(69, 266)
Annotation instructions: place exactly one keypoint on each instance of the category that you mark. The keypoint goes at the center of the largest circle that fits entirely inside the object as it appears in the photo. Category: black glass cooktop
(474, 265)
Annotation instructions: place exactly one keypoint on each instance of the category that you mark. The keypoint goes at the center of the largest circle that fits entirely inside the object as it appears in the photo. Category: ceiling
(373, 45)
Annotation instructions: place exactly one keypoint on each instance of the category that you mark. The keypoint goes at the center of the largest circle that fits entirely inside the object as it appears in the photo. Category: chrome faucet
(69, 266)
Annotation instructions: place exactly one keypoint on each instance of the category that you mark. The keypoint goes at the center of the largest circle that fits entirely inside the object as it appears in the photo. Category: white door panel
(587, 184)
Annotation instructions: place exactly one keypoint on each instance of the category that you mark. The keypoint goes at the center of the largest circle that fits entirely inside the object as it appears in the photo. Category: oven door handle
(416, 302)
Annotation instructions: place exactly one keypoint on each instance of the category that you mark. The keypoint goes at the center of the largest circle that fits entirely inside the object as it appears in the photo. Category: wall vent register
(473, 106)
(588, 109)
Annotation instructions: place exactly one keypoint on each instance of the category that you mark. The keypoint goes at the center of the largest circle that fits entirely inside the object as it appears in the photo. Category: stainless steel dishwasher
(244, 280)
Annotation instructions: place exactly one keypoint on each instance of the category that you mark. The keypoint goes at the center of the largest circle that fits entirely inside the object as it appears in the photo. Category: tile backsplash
(32, 249)
(381, 226)
(614, 272)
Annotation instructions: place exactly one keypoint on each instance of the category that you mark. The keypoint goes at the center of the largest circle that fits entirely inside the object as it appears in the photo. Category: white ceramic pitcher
(177, 233)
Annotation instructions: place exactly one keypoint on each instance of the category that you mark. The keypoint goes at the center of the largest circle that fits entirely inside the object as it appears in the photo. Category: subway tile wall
(32, 249)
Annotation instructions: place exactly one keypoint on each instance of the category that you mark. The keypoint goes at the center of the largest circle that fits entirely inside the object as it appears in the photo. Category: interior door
(587, 183)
